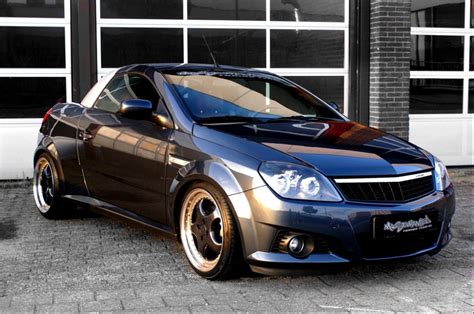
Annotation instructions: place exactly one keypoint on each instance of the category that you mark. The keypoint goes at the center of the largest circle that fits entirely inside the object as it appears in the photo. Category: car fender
(211, 171)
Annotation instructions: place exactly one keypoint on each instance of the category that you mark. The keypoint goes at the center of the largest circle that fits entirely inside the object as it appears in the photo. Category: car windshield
(243, 96)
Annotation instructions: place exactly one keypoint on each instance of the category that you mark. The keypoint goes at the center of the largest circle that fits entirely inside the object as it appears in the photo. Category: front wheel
(46, 187)
(209, 233)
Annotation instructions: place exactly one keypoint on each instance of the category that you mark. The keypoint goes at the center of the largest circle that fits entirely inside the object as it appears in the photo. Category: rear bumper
(346, 225)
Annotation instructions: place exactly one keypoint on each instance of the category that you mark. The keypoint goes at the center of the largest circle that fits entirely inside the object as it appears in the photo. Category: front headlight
(298, 182)
(441, 175)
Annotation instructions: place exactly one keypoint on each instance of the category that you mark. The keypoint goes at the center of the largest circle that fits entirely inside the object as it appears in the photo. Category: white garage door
(442, 79)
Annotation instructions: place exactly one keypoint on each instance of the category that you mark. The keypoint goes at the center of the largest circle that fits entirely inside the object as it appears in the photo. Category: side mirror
(334, 106)
(163, 120)
(136, 109)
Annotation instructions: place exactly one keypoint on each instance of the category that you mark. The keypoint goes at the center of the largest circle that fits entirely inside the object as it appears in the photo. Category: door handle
(85, 136)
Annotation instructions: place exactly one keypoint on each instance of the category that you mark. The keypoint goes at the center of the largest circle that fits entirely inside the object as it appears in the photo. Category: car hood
(336, 148)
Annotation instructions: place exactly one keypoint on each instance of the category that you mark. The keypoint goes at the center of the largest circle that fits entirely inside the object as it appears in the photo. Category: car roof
(164, 67)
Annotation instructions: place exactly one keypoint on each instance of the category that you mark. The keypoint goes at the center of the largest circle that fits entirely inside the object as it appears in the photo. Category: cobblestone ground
(92, 263)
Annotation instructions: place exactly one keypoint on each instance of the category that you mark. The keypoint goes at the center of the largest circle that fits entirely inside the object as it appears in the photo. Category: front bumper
(346, 225)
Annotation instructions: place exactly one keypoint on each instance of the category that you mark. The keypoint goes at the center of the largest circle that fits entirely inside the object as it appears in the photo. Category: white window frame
(65, 23)
(266, 25)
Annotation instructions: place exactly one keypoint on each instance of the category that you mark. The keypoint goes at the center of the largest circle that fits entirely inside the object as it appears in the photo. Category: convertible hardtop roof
(164, 67)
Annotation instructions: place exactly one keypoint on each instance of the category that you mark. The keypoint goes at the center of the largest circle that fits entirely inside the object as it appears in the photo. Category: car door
(123, 159)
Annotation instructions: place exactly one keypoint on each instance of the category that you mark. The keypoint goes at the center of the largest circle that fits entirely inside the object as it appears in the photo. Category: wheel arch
(51, 151)
(193, 173)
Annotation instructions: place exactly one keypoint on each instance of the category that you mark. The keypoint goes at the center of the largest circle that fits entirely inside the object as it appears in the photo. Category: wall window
(153, 45)
(306, 39)
(298, 49)
(436, 96)
(437, 53)
(471, 96)
(37, 8)
(307, 10)
(440, 13)
(226, 10)
(134, 9)
(442, 42)
(471, 57)
(19, 43)
(35, 69)
(30, 97)
(242, 47)
(472, 14)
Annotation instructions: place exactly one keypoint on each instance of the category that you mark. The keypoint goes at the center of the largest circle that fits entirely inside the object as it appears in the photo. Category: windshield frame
(244, 74)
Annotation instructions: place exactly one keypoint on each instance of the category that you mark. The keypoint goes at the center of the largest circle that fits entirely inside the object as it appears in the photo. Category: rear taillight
(46, 115)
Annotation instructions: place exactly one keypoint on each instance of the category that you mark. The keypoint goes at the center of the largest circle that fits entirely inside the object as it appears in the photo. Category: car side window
(126, 86)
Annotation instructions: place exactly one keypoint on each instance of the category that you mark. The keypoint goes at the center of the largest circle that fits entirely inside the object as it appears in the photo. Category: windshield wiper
(225, 119)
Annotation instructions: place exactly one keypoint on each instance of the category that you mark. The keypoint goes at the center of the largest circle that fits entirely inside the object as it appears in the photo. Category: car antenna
(216, 65)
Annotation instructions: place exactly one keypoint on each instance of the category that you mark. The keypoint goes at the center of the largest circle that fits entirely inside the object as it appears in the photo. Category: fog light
(296, 245)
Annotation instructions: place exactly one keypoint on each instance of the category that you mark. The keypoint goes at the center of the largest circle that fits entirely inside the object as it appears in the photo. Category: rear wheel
(209, 233)
(46, 187)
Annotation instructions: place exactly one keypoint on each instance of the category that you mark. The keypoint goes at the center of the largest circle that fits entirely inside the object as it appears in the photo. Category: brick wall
(390, 65)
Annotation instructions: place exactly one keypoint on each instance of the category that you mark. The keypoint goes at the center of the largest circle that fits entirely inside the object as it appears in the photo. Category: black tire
(49, 199)
(229, 261)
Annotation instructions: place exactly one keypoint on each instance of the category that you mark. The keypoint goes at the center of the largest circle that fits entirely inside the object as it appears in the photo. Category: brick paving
(92, 263)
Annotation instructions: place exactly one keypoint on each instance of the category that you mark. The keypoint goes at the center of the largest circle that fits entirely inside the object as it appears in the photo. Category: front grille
(387, 191)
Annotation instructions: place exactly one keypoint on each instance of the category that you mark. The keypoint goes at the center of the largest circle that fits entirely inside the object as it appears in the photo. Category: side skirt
(117, 212)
